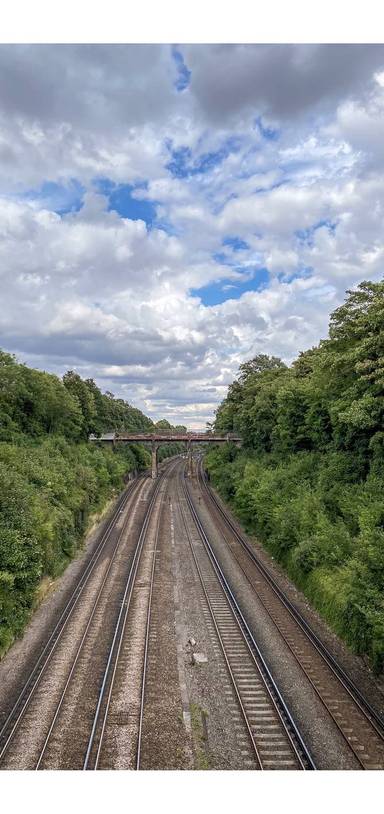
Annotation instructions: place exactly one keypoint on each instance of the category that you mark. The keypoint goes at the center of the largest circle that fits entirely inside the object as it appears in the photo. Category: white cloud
(112, 296)
(361, 124)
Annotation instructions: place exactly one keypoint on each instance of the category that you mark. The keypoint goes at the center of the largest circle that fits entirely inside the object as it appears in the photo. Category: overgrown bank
(51, 479)
(309, 480)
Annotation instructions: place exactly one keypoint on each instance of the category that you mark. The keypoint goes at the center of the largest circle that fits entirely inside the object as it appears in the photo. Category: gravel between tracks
(166, 741)
(219, 736)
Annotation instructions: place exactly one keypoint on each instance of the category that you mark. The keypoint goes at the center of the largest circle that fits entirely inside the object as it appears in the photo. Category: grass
(199, 736)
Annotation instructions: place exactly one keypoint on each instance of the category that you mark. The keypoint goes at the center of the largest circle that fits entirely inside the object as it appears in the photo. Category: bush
(325, 530)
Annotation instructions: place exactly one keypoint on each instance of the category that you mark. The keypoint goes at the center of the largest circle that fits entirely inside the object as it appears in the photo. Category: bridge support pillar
(154, 460)
(189, 464)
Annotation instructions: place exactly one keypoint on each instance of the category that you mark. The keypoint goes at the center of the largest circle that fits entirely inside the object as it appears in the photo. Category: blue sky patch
(59, 198)
(235, 243)
(224, 289)
(265, 190)
(268, 133)
(122, 201)
(183, 165)
(303, 272)
(183, 73)
(306, 236)
(223, 259)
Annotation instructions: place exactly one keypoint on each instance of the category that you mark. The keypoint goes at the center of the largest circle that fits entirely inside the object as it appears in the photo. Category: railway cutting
(155, 656)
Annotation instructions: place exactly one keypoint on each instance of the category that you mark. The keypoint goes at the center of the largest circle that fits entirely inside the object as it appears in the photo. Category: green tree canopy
(309, 480)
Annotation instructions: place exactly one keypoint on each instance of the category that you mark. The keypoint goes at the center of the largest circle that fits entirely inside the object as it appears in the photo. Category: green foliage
(20, 554)
(309, 480)
(35, 403)
(51, 479)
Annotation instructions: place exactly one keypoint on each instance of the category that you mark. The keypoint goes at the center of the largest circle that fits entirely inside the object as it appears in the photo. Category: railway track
(274, 741)
(141, 575)
(106, 547)
(359, 724)
(104, 571)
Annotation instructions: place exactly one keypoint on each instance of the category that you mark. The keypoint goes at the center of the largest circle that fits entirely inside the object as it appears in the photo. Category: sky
(169, 211)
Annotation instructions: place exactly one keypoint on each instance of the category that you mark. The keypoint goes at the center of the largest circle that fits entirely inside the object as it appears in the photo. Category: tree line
(309, 479)
(52, 479)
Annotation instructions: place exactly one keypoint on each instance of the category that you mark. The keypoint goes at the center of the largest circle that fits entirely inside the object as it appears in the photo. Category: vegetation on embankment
(309, 479)
(51, 478)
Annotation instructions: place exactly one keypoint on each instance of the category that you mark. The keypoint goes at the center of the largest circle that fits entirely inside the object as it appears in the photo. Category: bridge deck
(190, 437)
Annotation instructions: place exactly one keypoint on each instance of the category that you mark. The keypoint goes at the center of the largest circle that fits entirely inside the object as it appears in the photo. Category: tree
(309, 478)
(79, 388)
(259, 364)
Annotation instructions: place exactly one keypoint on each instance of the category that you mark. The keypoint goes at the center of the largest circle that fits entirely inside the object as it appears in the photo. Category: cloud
(282, 81)
(361, 124)
(140, 185)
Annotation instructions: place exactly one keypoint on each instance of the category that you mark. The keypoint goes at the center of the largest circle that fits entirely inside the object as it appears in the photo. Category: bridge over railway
(155, 439)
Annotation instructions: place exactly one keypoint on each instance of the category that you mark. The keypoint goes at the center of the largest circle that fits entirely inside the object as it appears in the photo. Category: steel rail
(232, 677)
(147, 630)
(278, 702)
(42, 662)
(114, 652)
(362, 704)
(79, 651)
